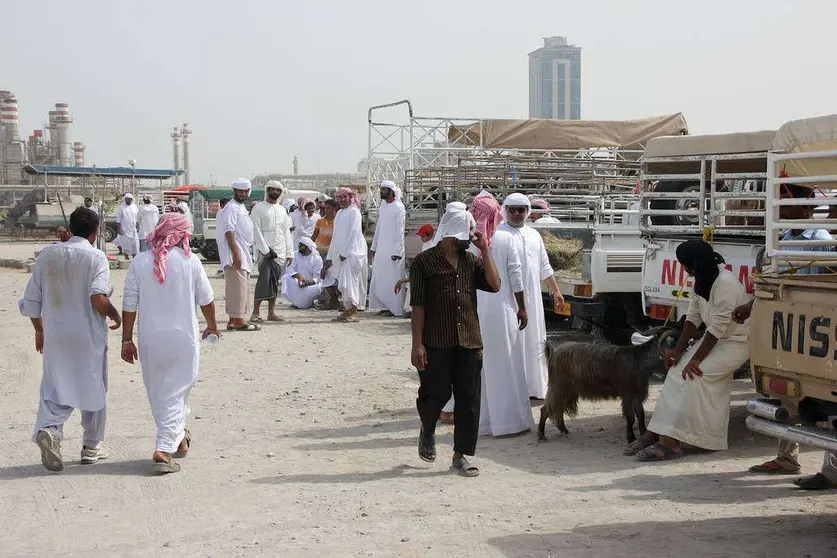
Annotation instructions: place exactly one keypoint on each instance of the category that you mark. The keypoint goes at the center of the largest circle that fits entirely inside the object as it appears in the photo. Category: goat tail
(546, 352)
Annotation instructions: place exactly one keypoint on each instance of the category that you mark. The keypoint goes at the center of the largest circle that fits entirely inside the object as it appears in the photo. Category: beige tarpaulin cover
(809, 134)
(567, 134)
(717, 144)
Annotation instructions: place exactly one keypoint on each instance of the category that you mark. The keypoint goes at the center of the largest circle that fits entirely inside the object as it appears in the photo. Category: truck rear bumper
(582, 307)
(760, 421)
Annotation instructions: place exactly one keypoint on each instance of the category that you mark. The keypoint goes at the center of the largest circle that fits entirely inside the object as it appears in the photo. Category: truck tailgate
(793, 336)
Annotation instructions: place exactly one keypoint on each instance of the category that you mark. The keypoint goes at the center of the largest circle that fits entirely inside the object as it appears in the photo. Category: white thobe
(148, 218)
(168, 338)
(303, 224)
(308, 267)
(188, 211)
(696, 412)
(66, 275)
(388, 242)
(536, 269)
(128, 238)
(234, 218)
(504, 407)
(271, 231)
(347, 241)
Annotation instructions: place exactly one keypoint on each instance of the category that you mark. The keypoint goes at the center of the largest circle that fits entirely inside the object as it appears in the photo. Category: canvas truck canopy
(806, 135)
(661, 154)
(717, 144)
(546, 134)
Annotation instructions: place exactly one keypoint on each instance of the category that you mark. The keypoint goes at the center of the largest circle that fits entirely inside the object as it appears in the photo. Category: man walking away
(148, 217)
(347, 255)
(126, 227)
(388, 265)
(235, 240)
(167, 283)
(67, 299)
(536, 268)
(274, 248)
(447, 347)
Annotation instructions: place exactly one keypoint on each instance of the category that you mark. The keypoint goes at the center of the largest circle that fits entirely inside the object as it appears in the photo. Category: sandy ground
(305, 444)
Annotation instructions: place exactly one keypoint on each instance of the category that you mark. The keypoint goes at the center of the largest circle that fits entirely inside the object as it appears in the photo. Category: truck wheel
(110, 233)
(681, 204)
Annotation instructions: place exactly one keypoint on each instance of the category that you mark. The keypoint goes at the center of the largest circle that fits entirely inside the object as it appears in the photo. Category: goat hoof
(541, 437)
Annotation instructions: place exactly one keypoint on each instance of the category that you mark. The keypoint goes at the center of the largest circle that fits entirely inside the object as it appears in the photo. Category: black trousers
(455, 370)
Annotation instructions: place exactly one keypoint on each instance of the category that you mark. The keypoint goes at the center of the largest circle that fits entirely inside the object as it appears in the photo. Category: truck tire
(670, 187)
(110, 233)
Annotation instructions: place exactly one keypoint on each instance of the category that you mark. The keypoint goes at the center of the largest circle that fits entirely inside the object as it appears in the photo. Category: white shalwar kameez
(271, 231)
(388, 242)
(347, 241)
(303, 224)
(168, 338)
(505, 407)
(308, 267)
(66, 275)
(696, 412)
(128, 238)
(148, 216)
(536, 269)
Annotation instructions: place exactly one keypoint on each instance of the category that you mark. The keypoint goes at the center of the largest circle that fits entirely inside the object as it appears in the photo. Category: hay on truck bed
(564, 253)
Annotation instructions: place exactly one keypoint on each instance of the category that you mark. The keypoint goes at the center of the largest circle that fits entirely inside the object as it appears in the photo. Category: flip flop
(636, 447)
(772, 467)
(256, 319)
(427, 447)
(464, 468)
(658, 452)
(188, 439)
(245, 327)
(814, 482)
(166, 467)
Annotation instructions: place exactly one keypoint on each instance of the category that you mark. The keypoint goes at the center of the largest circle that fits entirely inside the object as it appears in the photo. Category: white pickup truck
(709, 187)
(606, 288)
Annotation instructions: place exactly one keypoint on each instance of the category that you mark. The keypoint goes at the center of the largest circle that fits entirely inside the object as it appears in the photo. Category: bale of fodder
(564, 253)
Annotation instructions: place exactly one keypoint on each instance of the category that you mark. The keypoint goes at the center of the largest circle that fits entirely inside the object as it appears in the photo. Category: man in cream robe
(127, 238)
(346, 260)
(272, 239)
(536, 269)
(67, 300)
(388, 265)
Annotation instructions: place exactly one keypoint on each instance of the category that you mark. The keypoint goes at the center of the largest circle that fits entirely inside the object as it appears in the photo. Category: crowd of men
(478, 323)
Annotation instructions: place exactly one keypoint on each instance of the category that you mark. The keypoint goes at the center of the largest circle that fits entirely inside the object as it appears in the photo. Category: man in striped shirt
(447, 347)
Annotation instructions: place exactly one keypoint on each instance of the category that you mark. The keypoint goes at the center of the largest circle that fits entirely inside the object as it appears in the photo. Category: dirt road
(305, 444)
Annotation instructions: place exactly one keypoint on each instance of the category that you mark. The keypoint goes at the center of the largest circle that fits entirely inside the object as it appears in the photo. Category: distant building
(555, 80)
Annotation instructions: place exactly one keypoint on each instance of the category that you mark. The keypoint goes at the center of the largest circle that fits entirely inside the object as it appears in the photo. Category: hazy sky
(261, 80)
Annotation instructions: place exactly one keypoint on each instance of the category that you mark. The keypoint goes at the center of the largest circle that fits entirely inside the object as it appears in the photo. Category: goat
(598, 371)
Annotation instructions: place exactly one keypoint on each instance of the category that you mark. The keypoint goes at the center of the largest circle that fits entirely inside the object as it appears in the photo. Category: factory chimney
(78, 153)
(11, 148)
(296, 165)
(175, 146)
(185, 132)
(63, 119)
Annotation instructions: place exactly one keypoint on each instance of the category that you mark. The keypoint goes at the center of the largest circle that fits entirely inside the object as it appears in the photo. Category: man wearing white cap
(388, 266)
(235, 242)
(536, 268)
(274, 248)
(126, 227)
(447, 345)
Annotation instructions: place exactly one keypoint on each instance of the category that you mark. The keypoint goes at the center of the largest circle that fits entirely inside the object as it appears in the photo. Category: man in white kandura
(235, 241)
(274, 248)
(536, 269)
(167, 283)
(504, 407)
(304, 219)
(183, 205)
(67, 300)
(301, 283)
(148, 215)
(126, 227)
(347, 255)
(388, 266)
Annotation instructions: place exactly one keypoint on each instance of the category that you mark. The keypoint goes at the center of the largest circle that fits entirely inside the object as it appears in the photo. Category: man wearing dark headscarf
(693, 407)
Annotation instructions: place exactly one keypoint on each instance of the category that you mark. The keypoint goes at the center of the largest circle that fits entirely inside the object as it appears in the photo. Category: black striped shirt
(449, 298)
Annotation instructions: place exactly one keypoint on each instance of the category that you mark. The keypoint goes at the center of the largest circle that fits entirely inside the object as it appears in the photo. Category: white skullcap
(274, 184)
(129, 196)
(241, 184)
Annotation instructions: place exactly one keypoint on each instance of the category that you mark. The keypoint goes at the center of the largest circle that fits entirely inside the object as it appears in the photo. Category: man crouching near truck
(787, 459)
